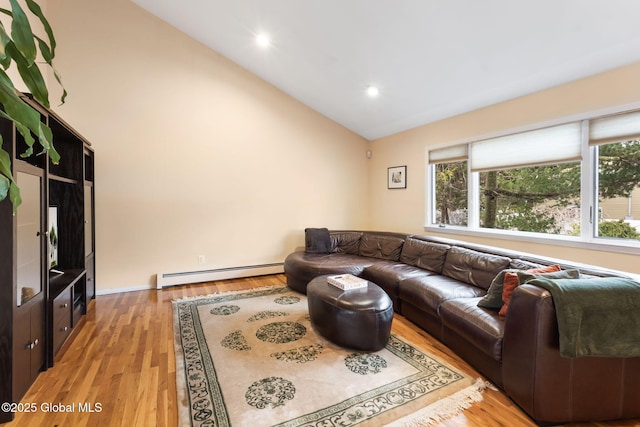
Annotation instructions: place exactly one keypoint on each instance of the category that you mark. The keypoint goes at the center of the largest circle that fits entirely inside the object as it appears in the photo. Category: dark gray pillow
(493, 298)
(317, 241)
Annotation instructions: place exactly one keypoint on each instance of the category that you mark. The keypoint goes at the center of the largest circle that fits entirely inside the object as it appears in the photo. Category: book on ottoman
(347, 281)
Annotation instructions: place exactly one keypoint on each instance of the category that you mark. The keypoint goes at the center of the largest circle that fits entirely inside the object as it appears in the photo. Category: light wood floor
(120, 361)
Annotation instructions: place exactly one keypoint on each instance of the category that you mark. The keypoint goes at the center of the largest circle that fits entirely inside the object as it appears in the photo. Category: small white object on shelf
(346, 282)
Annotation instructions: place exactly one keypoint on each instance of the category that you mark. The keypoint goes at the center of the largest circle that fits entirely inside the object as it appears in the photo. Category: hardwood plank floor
(120, 364)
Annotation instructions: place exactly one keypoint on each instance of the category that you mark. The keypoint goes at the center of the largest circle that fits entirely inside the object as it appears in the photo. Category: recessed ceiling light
(263, 40)
(373, 91)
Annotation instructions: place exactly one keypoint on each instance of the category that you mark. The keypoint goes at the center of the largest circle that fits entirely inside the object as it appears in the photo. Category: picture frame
(397, 177)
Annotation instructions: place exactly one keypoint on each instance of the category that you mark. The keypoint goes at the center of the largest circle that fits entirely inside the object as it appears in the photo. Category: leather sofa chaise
(438, 283)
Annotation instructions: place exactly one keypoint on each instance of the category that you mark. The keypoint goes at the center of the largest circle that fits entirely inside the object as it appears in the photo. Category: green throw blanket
(596, 317)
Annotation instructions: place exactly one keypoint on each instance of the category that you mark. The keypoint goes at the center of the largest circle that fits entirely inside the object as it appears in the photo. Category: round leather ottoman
(359, 319)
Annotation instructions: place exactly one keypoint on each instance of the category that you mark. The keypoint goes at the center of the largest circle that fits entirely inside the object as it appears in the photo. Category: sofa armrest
(552, 388)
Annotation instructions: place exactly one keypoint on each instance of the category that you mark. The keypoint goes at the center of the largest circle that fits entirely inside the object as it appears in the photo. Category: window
(616, 142)
(619, 190)
(542, 199)
(579, 179)
(450, 176)
(451, 193)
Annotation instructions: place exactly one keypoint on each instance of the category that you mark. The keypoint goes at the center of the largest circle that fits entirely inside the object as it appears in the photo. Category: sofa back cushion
(427, 255)
(475, 268)
(346, 242)
(381, 247)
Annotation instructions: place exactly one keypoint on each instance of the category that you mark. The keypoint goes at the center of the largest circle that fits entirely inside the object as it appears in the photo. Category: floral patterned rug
(252, 358)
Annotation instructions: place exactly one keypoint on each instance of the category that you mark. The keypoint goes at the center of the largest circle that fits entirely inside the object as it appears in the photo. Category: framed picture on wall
(397, 177)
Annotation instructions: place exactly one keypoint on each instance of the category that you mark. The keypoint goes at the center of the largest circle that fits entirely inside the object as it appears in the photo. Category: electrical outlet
(201, 259)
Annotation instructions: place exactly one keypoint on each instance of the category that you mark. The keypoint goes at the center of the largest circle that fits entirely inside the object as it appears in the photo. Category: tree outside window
(542, 199)
(619, 190)
(451, 193)
(546, 198)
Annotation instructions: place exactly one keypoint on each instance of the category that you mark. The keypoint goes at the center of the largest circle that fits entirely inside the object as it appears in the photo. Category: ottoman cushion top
(370, 299)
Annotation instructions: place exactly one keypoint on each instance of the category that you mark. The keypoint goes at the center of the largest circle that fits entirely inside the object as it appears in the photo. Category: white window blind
(621, 127)
(550, 145)
(455, 153)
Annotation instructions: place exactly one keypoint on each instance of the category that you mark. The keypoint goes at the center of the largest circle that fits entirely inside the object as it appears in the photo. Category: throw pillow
(493, 298)
(317, 241)
(510, 283)
(513, 281)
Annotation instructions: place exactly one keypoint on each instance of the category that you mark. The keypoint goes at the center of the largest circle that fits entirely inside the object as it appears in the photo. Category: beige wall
(404, 210)
(194, 155)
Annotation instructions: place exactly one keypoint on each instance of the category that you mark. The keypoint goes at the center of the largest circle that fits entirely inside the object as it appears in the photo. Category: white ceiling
(431, 59)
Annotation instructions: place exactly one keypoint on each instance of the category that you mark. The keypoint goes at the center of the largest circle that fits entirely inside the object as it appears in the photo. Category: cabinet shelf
(62, 179)
(60, 282)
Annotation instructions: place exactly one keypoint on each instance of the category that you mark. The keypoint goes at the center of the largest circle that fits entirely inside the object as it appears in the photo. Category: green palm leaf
(22, 34)
(21, 48)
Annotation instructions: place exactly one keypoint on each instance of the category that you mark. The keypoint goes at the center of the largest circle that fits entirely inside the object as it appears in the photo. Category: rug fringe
(262, 288)
(447, 407)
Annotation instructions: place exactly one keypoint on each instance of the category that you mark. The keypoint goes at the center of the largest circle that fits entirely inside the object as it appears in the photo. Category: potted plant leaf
(20, 47)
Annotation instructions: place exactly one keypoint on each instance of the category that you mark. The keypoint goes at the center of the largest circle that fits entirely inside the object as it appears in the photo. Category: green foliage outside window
(529, 199)
(544, 199)
(451, 193)
(617, 229)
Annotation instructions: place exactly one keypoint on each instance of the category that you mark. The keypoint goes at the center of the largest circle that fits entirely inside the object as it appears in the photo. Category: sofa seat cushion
(481, 327)
(428, 292)
(320, 264)
(388, 274)
(301, 267)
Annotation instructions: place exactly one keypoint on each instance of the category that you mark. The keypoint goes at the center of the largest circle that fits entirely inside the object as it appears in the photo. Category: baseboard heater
(173, 279)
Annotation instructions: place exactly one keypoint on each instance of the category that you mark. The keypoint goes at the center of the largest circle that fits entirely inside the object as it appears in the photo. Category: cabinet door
(88, 220)
(29, 311)
(29, 237)
(89, 242)
(91, 275)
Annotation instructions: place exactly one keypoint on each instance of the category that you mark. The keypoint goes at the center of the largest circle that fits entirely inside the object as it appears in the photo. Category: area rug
(252, 358)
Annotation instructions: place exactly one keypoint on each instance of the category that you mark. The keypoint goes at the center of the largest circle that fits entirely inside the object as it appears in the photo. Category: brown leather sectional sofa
(436, 283)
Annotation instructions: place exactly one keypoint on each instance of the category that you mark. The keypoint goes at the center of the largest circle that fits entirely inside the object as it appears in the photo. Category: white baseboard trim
(119, 290)
(172, 279)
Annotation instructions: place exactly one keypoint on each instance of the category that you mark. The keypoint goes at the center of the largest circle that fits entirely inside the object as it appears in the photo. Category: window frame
(588, 238)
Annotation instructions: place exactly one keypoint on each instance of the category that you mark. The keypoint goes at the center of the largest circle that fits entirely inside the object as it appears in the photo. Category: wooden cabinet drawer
(62, 309)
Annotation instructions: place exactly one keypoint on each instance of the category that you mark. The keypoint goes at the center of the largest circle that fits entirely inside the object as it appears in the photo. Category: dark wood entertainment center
(47, 253)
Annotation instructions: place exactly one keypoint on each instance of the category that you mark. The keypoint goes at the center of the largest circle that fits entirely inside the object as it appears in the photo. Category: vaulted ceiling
(429, 59)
